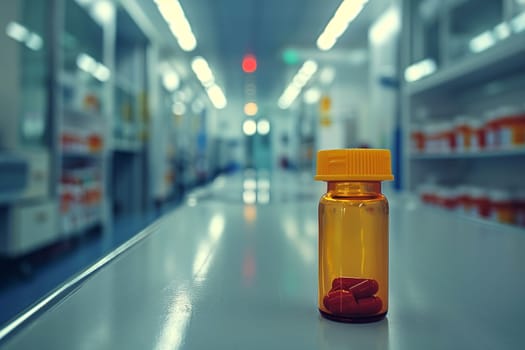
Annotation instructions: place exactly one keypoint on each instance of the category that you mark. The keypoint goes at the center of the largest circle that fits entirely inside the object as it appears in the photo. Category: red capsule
(369, 306)
(342, 302)
(360, 287)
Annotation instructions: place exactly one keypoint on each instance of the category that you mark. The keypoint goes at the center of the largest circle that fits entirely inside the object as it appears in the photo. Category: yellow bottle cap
(358, 164)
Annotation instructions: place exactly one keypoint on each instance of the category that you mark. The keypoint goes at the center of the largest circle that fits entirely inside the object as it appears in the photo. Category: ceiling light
(387, 25)
(249, 127)
(327, 75)
(102, 72)
(309, 68)
(34, 41)
(173, 14)
(249, 197)
(202, 70)
(250, 109)
(502, 31)
(345, 13)
(170, 80)
(86, 63)
(216, 96)
(420, 69)
(518, 23)
(103, 11)
(249, 64)
(187, 43)
(263, 127)
(482, 42)
(301, 78)
(312, 96)
(16, 31)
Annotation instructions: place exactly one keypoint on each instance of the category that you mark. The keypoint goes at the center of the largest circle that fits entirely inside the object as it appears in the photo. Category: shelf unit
(513, 152)
(83, 121)
(465, 82)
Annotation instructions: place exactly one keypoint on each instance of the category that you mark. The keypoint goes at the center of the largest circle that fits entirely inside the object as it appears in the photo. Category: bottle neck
(354, 188)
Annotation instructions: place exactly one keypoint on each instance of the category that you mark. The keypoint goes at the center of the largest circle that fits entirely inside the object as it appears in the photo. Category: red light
(249, 64)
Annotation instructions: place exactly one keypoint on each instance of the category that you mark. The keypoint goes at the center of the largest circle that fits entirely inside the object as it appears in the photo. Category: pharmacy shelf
(83, 115)
(81, 229)
(500, 59)
(14, 170)
(489, 224)
(82, 154)
(127, 146)
(469, 155)
(207, 276)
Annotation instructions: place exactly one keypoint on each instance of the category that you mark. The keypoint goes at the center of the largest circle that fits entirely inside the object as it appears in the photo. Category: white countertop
(220, 274)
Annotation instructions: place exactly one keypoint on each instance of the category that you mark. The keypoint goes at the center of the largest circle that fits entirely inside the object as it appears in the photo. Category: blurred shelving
(469, 93)
(503, 58)
(512, 152)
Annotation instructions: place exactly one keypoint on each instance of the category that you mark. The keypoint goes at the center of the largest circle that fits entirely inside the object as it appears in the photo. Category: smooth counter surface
(221, 272)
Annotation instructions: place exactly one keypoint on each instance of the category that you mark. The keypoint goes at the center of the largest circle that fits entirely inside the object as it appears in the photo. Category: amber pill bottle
(353, 234)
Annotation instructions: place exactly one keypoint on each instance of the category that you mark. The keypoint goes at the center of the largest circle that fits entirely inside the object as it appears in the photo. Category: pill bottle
(519, 135)
(353, 234)
(417, 139)
(492, 130)
(463, 198)
(502, 207)
(447, 137)
(479, 132)
(480, 202)
(450, 199)
(463, 133)
(519, 207)
(431, 138)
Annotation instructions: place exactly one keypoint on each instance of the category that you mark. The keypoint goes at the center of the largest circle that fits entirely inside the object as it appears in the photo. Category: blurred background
(111, 111)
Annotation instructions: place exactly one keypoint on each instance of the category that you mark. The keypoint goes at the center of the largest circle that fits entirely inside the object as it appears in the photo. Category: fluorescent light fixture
(502, 31)
(482, 42)
(309, 68)
(170, 80)
(173, 14)
(249, 197)
(263, 197)
(312, 96)
(251, 109)
(187, 43)
(86, 63)
(216, 96)
(301, 78)
(249, 127)
(203, 72)
(249, 184)
(103, 11)
(16, 31)
(34, 41)
(327, 75)
(89, 65)
(420, 69)
(518, 23)
(387, 25)
(345, 13)
(102, 72)
(263, 127)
